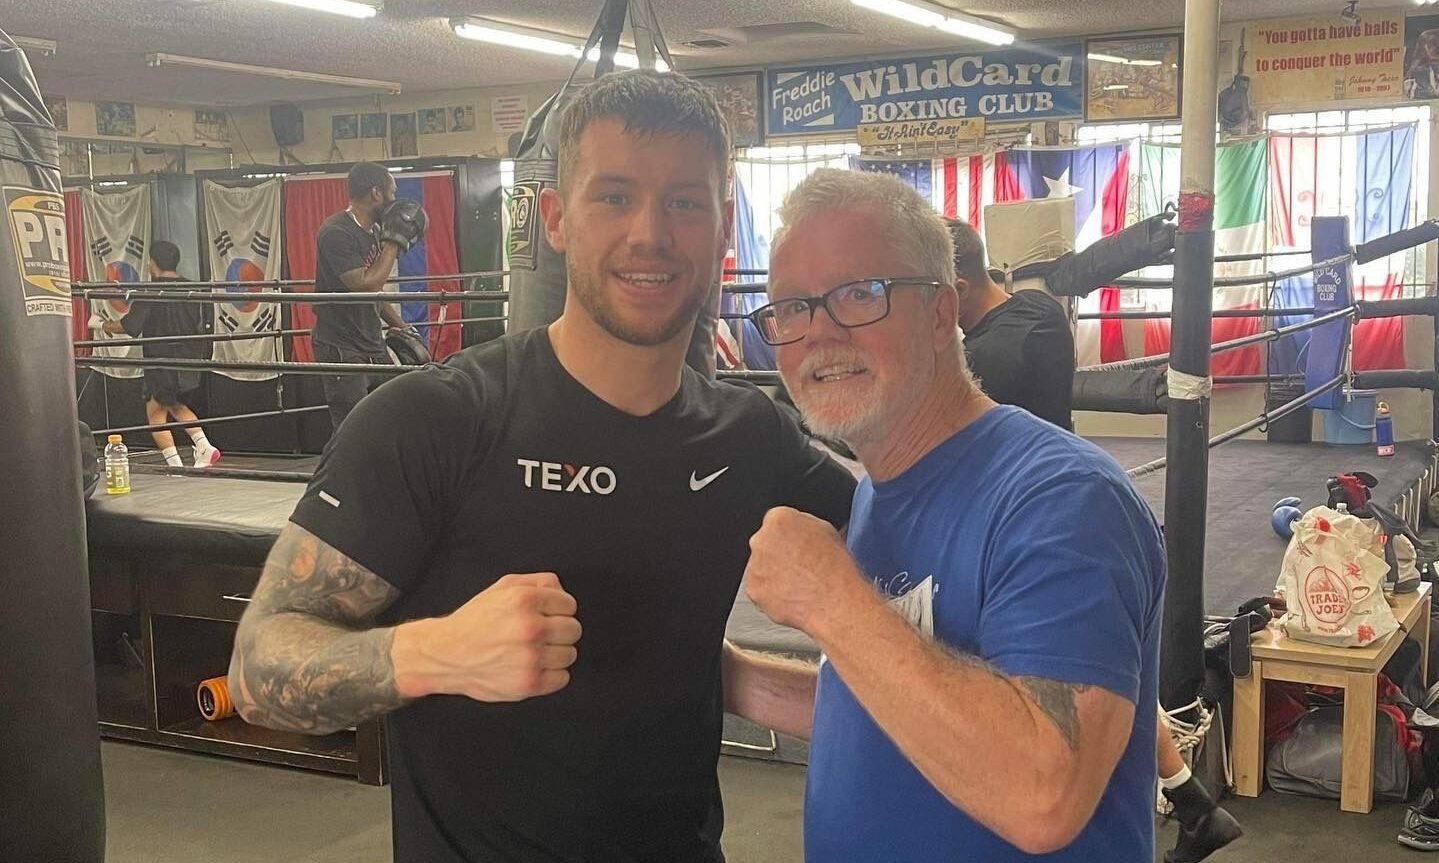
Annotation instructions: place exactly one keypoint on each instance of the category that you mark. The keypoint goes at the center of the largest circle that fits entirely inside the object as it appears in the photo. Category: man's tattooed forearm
(1056, 699)
(302, 660)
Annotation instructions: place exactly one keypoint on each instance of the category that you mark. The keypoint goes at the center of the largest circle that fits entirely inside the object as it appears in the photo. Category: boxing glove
(1286, 512)
(403, 223)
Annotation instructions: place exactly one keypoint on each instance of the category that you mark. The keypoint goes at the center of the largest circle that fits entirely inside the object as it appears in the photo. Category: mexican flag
(1241, 175)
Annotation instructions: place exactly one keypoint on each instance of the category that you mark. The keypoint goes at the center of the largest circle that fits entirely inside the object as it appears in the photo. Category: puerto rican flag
(1097, 178)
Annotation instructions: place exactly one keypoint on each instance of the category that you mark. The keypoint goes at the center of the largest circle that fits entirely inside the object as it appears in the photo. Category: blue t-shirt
(1023, 545)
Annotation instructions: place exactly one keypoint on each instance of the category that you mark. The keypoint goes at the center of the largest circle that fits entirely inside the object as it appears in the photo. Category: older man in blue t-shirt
(991, 633)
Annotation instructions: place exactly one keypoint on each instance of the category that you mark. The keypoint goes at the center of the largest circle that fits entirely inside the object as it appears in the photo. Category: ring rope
(1244, 281)
(1217, 313)
(1187, 736)
(243, 336)
(302, 297)
(210, 366)
(206, 421)
(1233, 344)
(194, 284)
(1283, 410)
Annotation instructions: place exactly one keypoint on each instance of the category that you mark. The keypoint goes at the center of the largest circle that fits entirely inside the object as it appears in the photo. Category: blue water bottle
(1384, 430)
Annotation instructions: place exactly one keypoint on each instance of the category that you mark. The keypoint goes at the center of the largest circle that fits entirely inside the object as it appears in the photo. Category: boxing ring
(232, 513)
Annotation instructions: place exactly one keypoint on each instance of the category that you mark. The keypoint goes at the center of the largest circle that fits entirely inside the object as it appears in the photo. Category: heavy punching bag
(537, 271)
(52, 805)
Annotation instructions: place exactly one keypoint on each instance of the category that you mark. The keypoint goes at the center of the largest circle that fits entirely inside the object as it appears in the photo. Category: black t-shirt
(1023, 354)
(160, 318)
(341, 246)
(498, 461)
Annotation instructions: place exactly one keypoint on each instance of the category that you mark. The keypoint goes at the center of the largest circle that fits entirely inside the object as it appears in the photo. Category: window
(769, 173)
(1413, 263)
(1336, 199)
(1157, 133)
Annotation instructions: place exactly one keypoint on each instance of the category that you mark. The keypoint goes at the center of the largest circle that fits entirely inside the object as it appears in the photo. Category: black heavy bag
(1143, 244)
(537, 271)
(1130, 391)
(52, 805)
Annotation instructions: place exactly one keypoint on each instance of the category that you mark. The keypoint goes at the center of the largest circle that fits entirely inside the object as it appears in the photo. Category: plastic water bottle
(117, 466)
(1384, 430)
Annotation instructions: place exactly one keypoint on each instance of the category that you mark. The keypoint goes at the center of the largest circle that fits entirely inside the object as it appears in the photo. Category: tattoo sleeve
(306, 658)
(1056, 699)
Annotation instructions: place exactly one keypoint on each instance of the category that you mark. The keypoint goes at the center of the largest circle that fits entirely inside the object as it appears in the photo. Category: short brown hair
(969, 262)
(650, 103)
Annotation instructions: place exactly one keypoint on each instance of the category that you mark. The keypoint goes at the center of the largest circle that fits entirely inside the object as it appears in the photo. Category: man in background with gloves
(356, 250)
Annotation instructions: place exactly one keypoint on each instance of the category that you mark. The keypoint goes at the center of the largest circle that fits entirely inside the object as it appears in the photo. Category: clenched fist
(799, 570)
(512, 641)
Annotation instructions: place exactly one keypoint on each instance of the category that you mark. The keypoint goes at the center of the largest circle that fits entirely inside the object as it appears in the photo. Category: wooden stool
(1354, 669)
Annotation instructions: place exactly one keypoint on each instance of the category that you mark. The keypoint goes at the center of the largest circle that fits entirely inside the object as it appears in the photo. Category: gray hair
(916, 231)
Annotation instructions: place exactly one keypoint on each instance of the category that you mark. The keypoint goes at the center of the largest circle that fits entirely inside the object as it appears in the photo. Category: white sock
(172, 457)
(1177, 779)
(201, 442)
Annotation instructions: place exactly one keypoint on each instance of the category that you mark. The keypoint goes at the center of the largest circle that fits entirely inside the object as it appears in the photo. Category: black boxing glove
(403, 223)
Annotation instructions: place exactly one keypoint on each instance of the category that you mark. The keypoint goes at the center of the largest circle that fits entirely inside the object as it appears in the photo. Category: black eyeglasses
(850, 305)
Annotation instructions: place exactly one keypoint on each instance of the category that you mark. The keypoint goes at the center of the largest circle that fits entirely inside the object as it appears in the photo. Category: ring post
(1187, 480)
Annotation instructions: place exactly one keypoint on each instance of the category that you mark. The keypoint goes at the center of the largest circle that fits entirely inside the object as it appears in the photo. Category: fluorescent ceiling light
(271, 72)
(1110, 58)
(1116, 86)
(541, 41)
(348, 8)
(32, 45)
(927, 14)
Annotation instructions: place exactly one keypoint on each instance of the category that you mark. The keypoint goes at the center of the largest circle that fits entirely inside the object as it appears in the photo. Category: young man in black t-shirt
(1019, 345)
(351, 256)
(166, 390)
(526, 556)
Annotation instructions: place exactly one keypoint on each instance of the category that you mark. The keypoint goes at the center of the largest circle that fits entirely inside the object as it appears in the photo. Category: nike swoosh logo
(697, 484)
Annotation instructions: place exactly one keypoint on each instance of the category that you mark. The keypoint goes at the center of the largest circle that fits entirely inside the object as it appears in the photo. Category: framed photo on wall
(115, 119)
(1421, 57)
(462, 118)
(1133, 78)
(345, 127)
(373, 125)
(432, 121)
(212, 126)
(740, 102)
(403, 139)
(59, 112)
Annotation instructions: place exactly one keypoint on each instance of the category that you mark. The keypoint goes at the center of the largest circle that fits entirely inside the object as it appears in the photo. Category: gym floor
(168, 806)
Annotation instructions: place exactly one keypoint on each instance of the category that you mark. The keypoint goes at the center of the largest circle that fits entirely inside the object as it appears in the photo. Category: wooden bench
(1354, 669)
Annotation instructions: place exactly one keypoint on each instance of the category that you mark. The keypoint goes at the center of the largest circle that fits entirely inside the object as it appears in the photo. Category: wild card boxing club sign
(1036, 82)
